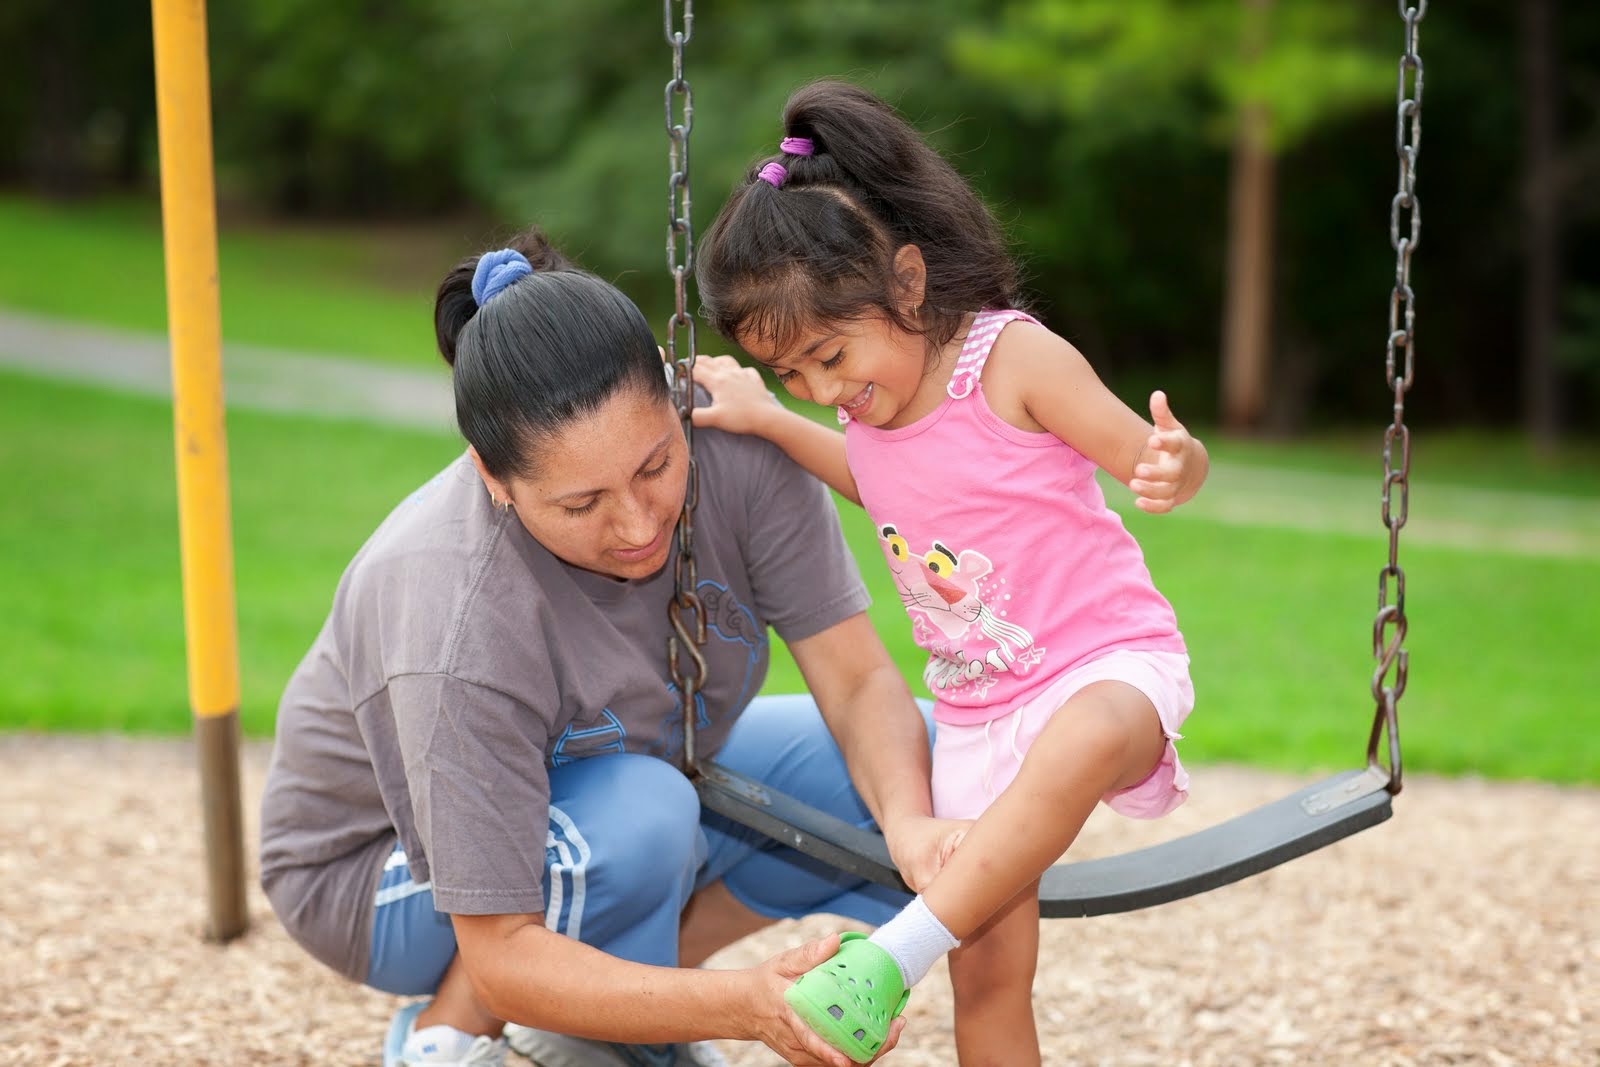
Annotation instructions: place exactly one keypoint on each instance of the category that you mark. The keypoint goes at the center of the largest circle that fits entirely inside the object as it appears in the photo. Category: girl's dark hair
(819, 249)
(548, 348)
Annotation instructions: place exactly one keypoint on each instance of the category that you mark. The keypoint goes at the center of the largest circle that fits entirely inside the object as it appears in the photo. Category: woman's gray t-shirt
(461, 660)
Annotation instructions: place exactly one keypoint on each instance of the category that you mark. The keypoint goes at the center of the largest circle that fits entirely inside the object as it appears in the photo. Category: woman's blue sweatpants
(628, 845)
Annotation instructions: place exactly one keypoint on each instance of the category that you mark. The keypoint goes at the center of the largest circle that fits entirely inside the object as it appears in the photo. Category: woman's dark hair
(819, 249)
(548, 348)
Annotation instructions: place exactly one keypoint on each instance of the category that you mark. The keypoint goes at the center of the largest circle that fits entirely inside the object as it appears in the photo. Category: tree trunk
(1247, 321)
(1541, 232)
(56, 153)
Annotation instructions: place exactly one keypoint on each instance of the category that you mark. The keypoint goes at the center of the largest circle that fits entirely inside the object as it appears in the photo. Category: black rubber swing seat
(1258, 840)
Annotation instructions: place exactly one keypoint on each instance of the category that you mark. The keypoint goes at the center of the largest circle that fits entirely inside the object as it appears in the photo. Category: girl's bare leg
(1106, 737)
(992, 975)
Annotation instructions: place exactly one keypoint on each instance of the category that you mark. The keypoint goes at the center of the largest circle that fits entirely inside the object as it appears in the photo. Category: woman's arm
(741, 403)
(1049, 382)
(528, 974)
(870, 712)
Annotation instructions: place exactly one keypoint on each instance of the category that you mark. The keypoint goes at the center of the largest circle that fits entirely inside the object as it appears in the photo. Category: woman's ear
(910, 276)
(499, 492)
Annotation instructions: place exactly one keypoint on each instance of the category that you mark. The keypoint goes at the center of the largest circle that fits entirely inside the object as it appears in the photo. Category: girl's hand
(921, 846)
(740, 400)
(1172, 464)
(776, 1024)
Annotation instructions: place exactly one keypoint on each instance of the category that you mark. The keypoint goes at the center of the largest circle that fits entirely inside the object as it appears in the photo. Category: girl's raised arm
(1053, 385)
(741, 403)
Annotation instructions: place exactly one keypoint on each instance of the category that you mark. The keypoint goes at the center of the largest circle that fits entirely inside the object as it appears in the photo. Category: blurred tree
(77, 116)
(350, 108)
(576, 140)
(1263, 76)
(1541, 205)
(1102, 132)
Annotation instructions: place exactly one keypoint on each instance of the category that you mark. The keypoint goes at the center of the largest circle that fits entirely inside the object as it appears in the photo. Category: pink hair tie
(797, 146)
(773, 174)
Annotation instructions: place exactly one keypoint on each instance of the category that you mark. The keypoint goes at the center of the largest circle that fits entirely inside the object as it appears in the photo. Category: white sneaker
(548, 1049)
(437, 1046)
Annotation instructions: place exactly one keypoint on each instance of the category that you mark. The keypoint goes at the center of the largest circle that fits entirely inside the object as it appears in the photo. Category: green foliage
(338, 107)
(589, 157)
(77, 107)
(1182, 68)
(1579, 347)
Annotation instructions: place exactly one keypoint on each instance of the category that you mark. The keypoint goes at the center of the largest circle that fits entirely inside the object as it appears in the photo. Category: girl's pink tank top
(1003, 551)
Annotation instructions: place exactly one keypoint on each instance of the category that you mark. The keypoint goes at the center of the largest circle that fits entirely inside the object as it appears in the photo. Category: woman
(472, 796)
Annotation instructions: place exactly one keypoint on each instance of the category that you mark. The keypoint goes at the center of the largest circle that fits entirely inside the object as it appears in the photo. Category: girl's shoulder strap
(981, 336)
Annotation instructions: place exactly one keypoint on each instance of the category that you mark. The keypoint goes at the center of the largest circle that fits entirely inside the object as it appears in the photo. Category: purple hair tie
(797, 146)
(773, 174)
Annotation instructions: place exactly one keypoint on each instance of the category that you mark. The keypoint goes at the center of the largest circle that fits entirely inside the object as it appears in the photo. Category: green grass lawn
(1456, 457)
(1278, 623)
(92, 634)
(365, 293)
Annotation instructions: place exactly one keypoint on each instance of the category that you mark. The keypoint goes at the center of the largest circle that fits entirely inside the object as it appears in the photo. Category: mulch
(1464, 931)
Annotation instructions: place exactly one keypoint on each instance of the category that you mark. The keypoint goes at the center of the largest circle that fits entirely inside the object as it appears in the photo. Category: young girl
(864, 271)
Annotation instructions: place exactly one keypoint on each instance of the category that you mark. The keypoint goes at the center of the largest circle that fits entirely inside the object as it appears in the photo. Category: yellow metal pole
(194, 322)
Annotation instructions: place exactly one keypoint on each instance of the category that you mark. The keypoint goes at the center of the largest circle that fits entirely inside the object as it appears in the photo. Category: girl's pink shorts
(973, 764)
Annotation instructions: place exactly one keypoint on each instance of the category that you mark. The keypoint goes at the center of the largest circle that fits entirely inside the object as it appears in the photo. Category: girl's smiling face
(871, 368)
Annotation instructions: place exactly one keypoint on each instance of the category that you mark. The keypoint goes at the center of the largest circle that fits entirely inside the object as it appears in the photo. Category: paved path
(1520, 523)
(257, 378)
(267, 379)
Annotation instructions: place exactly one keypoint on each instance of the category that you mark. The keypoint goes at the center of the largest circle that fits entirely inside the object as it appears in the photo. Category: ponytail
(818, 244)
(533, 343)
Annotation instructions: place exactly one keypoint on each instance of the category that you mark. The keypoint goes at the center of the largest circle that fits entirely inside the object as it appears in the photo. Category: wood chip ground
(1464, 931)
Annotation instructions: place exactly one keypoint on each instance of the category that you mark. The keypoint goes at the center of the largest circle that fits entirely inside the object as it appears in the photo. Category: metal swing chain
(1389, 627)
(686, 611)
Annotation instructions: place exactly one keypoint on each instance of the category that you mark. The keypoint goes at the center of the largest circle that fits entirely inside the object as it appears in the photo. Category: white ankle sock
(916, 939)
(445, 1044)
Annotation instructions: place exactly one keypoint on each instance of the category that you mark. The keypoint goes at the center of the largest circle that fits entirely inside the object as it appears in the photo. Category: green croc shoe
(851, 1000)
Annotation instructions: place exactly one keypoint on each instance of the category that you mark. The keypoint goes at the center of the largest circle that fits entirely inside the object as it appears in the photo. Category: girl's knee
(1107, 723)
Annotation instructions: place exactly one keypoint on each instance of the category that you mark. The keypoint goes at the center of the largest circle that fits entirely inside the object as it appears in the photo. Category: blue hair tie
(495, 271)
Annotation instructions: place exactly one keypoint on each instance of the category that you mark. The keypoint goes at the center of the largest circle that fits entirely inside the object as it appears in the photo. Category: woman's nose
(636, 524)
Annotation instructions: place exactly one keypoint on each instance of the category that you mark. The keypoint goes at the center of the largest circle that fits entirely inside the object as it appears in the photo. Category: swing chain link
(686, 612)
(1405, 234)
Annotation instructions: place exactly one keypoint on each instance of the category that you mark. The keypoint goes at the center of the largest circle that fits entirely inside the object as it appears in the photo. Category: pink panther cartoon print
(941, 592)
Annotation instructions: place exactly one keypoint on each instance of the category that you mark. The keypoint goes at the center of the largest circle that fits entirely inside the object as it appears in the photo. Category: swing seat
(1258, 840)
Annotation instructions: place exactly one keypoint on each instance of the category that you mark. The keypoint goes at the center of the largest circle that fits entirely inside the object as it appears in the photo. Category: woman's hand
(776, 1024)
(1172, 465)
(920, 846)
(740, 400)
